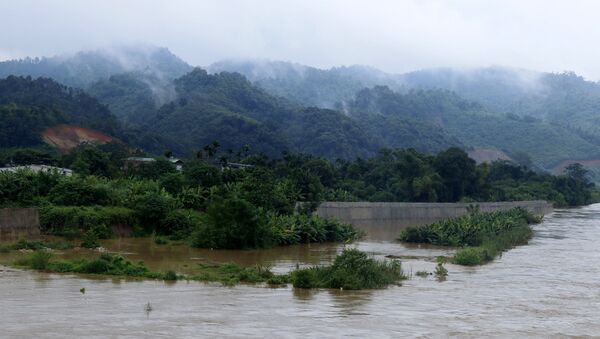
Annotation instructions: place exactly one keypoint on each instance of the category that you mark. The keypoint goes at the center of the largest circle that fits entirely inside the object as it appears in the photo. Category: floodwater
(548, 288)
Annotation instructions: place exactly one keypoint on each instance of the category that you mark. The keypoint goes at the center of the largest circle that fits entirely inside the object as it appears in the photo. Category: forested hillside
(228, 108)
(345, 112)
(547, 143)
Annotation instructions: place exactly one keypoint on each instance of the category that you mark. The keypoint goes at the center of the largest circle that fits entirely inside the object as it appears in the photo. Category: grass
(116, 265)
(351, 270)
(440, 271)
(492, 247)
(481, 235)
(422, 274)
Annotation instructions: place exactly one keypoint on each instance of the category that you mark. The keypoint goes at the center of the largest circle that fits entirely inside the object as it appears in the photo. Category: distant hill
(84, 68)
(228, 108)
(547, 143)
(159, 102)
(307, 85)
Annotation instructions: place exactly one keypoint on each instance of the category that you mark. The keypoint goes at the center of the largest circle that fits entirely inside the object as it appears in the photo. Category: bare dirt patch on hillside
(67, 137)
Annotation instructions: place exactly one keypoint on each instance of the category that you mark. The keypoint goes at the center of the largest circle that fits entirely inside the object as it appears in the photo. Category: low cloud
(396, 36)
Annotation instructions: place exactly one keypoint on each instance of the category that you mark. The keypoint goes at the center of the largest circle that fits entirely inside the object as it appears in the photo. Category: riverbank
(519, 294)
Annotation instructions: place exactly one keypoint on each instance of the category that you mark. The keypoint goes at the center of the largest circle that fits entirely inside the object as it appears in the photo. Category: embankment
(19, 223)
(384, 220)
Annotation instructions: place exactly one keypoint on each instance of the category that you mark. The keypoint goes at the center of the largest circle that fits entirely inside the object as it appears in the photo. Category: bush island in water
(482, 235)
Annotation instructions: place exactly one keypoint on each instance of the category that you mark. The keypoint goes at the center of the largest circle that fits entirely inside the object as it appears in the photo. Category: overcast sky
(396, 36)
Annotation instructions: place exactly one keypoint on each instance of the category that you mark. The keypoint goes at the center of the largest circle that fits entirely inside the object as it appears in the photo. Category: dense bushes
(301, 228)
(255, 205)
(482, 235)
(351, 270)
(233, 222)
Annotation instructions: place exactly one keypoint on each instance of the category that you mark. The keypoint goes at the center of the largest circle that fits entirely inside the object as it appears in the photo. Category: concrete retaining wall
(19, 223)
(384, 219)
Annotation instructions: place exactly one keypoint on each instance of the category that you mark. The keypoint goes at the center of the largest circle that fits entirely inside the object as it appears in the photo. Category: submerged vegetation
(481, 236)
(351, 270)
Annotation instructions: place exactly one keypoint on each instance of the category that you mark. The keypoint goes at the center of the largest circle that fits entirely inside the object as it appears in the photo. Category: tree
(458, 173)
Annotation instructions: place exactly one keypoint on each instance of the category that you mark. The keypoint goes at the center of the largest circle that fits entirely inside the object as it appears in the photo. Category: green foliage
(232, 222)
(440, 271)
(230, 274)
(40, 259)
(170, 275)
(468, 230)
(80, 191)
(152, 208)
(483, 236)
(299, 228)
(180, 224)
(351, 270)
(90, 239)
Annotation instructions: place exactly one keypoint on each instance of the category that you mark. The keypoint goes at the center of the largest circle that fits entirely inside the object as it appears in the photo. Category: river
(549, 287)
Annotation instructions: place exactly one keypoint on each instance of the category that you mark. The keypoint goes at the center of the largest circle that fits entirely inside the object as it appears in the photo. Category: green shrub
(90, 240)
(301, 228)
(80, 191)
(352, 270)
(152, 207)
(180, 224)
(39, 260)
(233, 223)
(170, 275)
(306, 278)
(97, 266)
(440, 271)
(470, 256)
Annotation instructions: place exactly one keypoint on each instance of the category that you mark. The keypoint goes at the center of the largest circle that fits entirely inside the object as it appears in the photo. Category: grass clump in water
(352, 270)
(422, 274)
(482, 235)
(230, 274)
(440, 271)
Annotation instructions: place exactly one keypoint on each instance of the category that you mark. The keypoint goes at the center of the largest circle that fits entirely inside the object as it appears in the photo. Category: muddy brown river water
(548, 288)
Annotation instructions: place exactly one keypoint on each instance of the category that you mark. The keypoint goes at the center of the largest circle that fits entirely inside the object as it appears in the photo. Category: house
(177, 162)
(39, 168)
(135, 162)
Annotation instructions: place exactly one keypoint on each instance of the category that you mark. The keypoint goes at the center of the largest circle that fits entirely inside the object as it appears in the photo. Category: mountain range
(150, 98)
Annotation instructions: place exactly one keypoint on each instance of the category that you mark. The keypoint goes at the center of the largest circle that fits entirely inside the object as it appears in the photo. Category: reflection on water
(547, 288)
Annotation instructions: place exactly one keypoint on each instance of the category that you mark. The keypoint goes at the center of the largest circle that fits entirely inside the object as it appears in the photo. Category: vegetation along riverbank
(351, 270)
